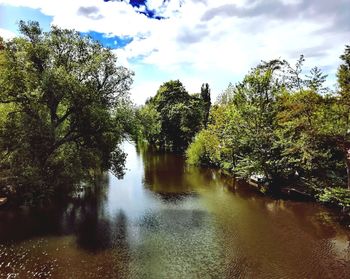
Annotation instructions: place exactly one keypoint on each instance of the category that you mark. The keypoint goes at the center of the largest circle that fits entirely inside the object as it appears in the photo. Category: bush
(204, 150)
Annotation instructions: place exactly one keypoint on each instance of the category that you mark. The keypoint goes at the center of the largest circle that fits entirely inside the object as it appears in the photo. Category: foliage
(204, 150)
(172, 117)
(300, 117)
(281, 124)
(341, 124)
(61, 116)
(246, 125)
(205, 96)
(150, 125)
(336, 196)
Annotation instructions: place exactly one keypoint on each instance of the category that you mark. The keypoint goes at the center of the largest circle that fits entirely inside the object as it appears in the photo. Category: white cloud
(141, 91)
(217, 51)
(6, 34)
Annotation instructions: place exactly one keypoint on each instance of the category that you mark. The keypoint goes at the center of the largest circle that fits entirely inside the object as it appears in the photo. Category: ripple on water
(167, 221)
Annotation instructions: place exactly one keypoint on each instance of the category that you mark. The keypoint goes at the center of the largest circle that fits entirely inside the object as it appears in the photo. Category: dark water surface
(165, 220)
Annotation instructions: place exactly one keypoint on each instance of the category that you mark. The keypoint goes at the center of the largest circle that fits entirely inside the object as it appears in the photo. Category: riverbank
(300, 194)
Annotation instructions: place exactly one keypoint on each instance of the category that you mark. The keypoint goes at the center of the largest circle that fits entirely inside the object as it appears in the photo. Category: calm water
(164, 220)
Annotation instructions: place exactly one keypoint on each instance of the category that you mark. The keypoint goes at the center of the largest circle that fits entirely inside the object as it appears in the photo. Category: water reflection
(167, 220)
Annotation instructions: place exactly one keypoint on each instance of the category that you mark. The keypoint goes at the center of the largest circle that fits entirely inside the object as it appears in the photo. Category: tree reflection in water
(168, 220)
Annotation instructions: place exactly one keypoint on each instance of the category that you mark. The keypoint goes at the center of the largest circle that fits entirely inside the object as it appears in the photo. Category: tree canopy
(172, 117)
(283, 125)
(60, 117)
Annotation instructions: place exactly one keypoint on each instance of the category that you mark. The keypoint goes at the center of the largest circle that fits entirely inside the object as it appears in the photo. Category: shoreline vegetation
(280, 129)
(65, 109)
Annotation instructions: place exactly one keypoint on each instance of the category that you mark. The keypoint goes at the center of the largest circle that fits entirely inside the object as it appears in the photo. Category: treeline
(277, 124)
(64, 109)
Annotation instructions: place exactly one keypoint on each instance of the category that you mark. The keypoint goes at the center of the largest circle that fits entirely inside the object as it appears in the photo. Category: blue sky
(10, 15)
(196, 41)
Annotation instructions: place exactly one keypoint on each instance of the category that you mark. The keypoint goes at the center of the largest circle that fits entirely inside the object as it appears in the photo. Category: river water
(167, 220)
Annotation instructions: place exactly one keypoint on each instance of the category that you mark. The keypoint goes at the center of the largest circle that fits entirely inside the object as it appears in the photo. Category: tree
(314, 134)
(205, 96)
(253, 123)
(62, 89)
(244, 124)
(150, 125)
(301, 119)
(285, 125)
(172, 117)
(209, 147)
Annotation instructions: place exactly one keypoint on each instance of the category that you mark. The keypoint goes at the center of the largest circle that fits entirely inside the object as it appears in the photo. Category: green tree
(173, 116)
(209, 147)
(150, 125)
(284, 125)
(64, 91)
(245, 126)
(302, 117)
(253, 123)
(205, 96)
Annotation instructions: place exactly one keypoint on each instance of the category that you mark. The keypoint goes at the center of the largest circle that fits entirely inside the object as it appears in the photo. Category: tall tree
(63, 89)
(205, 96)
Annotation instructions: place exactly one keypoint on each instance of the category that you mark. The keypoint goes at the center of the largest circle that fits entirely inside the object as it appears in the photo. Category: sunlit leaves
(64, 105)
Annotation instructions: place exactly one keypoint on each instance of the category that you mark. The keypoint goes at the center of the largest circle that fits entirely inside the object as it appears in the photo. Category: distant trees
(285, 126)
(172, 117)
(60, 111)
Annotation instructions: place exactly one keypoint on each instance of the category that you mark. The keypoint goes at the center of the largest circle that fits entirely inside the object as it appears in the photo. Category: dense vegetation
(64, 109)
(62, 112)
(277, 124)
(284, 127)
(172, 117)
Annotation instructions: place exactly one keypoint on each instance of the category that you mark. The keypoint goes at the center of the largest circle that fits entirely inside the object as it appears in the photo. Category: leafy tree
(150, 125)
(63, 93)
(225, 97)
(2, 44)
(246, 125)
(302, 117)
(172, 117)
(253, 123)
(316, 80)
(209, 146)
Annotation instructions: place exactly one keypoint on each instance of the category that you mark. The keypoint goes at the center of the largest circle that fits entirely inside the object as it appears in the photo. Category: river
(168, 220)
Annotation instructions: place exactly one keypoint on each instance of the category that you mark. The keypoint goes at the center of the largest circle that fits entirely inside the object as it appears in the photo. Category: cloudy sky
(196, 41)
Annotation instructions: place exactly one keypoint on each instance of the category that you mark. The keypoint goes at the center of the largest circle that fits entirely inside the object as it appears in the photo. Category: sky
(197, 41)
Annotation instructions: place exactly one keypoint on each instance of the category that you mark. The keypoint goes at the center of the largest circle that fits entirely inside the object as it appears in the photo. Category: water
(165, 220)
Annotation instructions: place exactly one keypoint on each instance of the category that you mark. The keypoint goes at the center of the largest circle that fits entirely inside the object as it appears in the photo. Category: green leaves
(337, 196)
(63, 95)
(279, 123)
(204, 150)
(172, 117)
